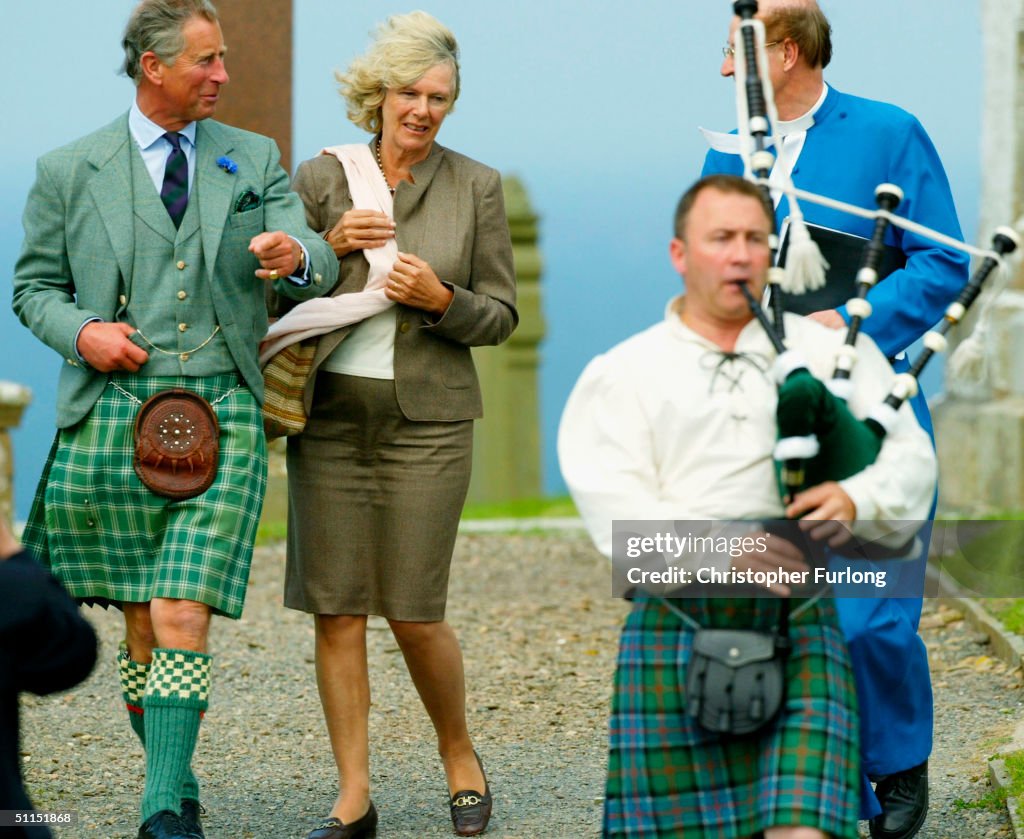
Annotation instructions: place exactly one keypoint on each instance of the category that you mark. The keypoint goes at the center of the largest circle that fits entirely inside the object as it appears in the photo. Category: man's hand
(828, 317)
(360, 230)
(827, 513)
(779, 553)
(413, 282)
(278, 253)
(107, 347)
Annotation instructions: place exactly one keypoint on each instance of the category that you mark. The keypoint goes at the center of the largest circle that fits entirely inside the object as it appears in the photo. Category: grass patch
(997, 515)
(270, 532)
(1008, 610)
(523, 508)
(993, 801)
(1014, 763)
(982, 556)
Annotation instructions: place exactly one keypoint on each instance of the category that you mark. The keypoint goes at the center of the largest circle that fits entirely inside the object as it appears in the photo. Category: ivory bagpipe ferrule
(1005, 241)
(888, 198)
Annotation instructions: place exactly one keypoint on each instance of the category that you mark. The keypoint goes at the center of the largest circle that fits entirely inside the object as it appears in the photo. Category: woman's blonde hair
(404, 48)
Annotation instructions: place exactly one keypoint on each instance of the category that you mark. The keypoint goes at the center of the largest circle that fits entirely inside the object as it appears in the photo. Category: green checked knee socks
(166, 701)
(133, 685)
(177, 694)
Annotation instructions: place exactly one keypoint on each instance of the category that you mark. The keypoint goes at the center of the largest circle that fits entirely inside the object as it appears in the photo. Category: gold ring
(273, 274)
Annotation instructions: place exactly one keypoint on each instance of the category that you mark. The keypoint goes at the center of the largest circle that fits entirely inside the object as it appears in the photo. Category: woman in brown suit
(378, 478)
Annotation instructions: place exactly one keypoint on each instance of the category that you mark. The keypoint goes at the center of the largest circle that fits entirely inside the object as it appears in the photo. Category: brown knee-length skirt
(374, 501)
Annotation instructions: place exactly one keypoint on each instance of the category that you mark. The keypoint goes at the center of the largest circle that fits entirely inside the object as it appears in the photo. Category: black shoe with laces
(904, 800)
(191, 816)
(165, 825)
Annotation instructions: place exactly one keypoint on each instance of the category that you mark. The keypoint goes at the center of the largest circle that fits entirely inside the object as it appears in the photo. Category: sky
(594, 105)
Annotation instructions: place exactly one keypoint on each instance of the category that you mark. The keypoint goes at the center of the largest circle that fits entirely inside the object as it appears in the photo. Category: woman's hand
(360, 230)
(413, 282)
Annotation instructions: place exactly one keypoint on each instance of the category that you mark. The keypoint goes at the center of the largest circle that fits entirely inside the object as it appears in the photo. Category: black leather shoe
(191, 816)
(904, 800)
(362, 828)
(165, 825)
(471, 810)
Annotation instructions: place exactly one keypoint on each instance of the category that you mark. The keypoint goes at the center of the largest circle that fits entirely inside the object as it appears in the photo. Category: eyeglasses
(729, 51)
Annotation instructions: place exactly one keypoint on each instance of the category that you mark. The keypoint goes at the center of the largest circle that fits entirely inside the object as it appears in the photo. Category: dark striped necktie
(174, 192)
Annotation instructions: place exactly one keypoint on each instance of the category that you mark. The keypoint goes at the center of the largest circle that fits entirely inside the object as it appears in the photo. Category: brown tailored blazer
(453, 217)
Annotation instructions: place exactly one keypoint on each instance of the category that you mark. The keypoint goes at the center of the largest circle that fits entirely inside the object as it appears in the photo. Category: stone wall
(979, 425)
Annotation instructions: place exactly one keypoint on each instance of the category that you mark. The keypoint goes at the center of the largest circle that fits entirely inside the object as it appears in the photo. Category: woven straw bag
(284, 382)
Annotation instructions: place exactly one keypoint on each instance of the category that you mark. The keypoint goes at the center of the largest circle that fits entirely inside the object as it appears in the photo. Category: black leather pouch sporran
(736, 679)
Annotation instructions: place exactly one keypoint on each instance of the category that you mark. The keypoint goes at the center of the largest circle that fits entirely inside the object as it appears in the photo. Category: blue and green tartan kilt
(110, 540)
(667, 777)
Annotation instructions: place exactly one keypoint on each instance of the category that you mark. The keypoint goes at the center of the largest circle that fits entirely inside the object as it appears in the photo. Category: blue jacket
(854, 145)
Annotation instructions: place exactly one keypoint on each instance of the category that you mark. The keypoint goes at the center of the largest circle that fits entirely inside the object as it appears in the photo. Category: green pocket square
(248, 200)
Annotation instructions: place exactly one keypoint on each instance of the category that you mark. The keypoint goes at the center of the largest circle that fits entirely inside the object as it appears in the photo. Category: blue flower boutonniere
(227, 164)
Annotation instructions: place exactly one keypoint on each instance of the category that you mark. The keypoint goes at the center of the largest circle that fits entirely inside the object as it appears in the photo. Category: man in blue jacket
(843, 147)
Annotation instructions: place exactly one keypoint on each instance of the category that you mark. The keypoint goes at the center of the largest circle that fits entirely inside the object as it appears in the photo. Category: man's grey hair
(157, 26)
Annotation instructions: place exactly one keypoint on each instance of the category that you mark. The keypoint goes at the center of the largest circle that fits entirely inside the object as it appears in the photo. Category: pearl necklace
(380, 165)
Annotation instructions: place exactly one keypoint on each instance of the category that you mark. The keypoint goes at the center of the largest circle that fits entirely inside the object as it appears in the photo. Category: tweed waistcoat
(169, 300)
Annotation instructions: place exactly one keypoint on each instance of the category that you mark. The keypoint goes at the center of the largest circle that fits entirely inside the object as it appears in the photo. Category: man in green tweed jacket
(147, 248)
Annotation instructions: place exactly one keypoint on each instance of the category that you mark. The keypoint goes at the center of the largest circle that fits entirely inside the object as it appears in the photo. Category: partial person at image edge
(46, 646)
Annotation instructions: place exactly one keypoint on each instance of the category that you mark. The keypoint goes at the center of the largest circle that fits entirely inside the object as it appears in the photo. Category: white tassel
(805, 266)
(969, 360)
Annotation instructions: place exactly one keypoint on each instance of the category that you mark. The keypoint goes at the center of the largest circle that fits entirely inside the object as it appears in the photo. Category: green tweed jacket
(79, 246)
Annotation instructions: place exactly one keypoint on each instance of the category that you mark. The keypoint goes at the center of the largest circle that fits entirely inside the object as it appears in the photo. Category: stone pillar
(13, 400)
(506, 445)
(979, 425)
(259, 61)
(259, 98)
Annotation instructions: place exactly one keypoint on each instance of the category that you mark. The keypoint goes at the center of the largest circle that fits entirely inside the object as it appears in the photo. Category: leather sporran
(284, 382)
(177, 444)
(736, 679)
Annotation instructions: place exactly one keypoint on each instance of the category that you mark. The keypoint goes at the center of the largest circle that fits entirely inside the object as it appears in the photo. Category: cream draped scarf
(325, 314)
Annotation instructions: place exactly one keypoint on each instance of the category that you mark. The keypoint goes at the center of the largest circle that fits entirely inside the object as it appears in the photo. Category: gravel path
(538, 631)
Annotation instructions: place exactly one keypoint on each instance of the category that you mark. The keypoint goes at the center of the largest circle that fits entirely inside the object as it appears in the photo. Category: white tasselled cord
(969, 359)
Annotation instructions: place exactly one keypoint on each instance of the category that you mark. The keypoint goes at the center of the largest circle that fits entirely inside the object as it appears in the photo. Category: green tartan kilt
(667, 777)
(110, 540)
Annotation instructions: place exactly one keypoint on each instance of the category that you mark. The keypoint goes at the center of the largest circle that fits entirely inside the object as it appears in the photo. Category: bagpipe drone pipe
(756, 115)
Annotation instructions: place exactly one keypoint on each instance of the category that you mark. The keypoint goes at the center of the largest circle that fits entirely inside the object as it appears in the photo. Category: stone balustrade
(13, 400)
